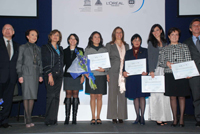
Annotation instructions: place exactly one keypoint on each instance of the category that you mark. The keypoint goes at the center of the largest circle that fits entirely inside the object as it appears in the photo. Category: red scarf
(135, 54)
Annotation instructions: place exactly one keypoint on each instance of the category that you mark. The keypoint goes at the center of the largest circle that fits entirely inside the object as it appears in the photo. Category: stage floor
(84, 127)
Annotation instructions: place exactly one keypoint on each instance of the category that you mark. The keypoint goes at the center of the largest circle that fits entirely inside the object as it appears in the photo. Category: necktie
(9, 48)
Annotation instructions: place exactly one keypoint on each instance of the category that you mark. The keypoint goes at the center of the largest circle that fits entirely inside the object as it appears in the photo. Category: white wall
(71, 16)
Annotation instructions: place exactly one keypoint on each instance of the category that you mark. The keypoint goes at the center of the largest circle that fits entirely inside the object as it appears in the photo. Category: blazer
(7, 66)
(195, 54)
(51, 61)
(114, 57)
(142, 54)
(68, 60)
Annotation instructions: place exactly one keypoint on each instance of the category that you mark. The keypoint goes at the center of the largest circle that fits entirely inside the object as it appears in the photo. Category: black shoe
(120, 120)
(114, 121)
(67, 103)
(142, 121)
(160, 124)
(198, 124)
(6, 125)
(92, 122)
(137, 121)
(181, 125)
(75, 109)
(99, 121)
(173, 125)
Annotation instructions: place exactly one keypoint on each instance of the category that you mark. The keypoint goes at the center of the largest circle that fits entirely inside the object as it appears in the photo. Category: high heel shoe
(137, 120)
(142, 121)
(92, 122)
(99, 121)
(174, 125)
(114, 121)
(181, 125)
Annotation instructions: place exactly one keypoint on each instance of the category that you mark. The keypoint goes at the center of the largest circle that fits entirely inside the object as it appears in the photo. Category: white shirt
(11, 46)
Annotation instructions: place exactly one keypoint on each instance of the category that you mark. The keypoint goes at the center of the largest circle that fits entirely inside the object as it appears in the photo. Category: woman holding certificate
(159, 104)
(133, 83)
(117, 103)
(175, 53)
(71, 86)
(95, 46)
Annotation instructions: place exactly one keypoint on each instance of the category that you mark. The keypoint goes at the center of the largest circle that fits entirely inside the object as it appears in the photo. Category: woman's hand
(125, 74)
(100, 69)
(86, 75)
(169, 64)
(144, 73)
(188, 77)
(152, 74)
(108, 78)
(51, 81)
(40, 79)
(82, 79)
(21, 80)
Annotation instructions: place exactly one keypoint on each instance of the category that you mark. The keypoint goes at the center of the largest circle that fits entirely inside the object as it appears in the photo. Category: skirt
(101, 82)
(72, 84)
(176, 87)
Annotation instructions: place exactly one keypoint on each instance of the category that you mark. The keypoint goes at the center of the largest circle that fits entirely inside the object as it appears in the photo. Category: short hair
(196, 19)
(28, 32)
(53, 32)
(173, 29)
(10, 25)
(135, 36)
(75, 36)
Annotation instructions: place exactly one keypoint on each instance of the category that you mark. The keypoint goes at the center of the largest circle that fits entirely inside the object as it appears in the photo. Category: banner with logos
(85, 16)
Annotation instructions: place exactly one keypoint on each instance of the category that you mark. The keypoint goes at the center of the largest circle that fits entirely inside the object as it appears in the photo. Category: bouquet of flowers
(81, 65)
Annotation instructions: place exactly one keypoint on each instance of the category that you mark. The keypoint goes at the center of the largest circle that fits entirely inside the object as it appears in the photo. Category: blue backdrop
(44, 25)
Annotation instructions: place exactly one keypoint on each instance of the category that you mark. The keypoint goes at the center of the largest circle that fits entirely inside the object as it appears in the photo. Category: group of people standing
(30, 63)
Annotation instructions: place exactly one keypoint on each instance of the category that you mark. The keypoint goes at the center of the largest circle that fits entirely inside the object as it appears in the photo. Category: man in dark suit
(194, 46)
(8, 75)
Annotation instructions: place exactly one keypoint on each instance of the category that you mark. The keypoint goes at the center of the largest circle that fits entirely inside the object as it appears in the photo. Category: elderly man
(194, 46)
(8, 75)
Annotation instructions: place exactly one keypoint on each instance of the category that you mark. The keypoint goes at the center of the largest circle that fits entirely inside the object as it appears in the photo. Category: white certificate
(135, 67)
(99, 60)
(184, 70)
(156, 84)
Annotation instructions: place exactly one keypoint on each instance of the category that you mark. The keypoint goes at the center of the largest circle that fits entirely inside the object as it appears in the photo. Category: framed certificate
(156, 84)
(135, 67)
(99, 60)
(184, 70)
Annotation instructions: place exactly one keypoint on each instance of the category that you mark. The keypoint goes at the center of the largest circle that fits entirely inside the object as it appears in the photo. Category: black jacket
(51, 61)
(7, 66)
(68, 60)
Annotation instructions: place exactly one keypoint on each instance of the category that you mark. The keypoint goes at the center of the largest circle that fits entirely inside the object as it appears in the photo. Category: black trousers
(7, 89)
(52, 100)
(195, 87)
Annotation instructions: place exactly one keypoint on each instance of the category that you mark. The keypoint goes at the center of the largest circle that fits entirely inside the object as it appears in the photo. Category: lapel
(192, 45)
(3, 45)
(140, 53)
(116, 50)
(30, 49)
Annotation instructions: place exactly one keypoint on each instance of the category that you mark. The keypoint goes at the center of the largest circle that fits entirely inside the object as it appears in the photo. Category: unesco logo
(114, 3)
(131, 3)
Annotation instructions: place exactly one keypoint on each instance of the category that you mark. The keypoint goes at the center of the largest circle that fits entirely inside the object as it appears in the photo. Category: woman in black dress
(52, 60)
(71, 86)
(175, 52)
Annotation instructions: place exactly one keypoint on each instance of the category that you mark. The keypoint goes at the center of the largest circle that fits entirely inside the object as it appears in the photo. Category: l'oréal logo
(114, 3)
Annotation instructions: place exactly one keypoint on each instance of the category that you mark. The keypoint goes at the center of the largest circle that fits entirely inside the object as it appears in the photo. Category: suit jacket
(7, 66)
(68, 60)
(195, 54)
(114, 57)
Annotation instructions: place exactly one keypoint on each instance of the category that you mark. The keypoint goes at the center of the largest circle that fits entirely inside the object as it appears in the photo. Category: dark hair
(75, 36)
(90, 42)
(10, 25)
(173, 29)
(152, 39)
(114, 35)
(28, 32)
(196, 19)
(53, 32)
(135, 36)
